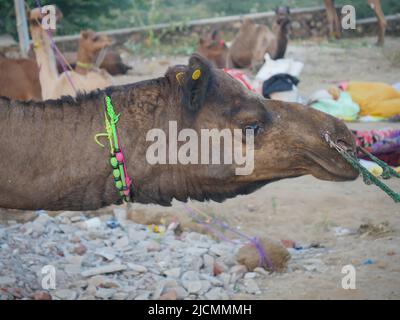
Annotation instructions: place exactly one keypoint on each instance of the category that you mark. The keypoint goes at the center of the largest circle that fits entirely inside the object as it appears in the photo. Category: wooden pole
(22, 27)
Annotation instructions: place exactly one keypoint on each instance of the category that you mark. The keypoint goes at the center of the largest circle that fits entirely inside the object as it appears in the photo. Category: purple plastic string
(57, 52)
(263, 258)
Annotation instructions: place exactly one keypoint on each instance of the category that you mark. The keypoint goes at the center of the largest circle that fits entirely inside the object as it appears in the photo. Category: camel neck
(45, 59)
(85, 61)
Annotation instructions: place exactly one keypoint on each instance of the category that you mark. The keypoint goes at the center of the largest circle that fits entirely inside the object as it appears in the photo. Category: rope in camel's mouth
(368, 177)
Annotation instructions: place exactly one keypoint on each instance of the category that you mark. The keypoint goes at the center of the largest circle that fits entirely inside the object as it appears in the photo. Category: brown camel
(85, 77)
(112, 62)
(334, 24)
(55, 164)
(19, 79)
(255, 40)
(214, 49)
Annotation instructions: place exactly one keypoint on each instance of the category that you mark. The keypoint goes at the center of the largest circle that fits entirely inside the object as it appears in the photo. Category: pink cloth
(241, 77)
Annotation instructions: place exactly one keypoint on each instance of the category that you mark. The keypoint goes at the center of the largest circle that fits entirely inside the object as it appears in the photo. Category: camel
(214, 49)
(56, 164)
(84, 78)
(334, 24)
(255, 40)
(19, 79)
(112, 62)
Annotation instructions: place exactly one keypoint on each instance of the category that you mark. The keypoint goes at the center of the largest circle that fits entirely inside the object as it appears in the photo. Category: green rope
(113, 121)
(369, 178)
(388, 171)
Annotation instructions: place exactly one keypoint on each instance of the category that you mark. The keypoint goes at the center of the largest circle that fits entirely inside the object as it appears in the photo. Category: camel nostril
(348, 147)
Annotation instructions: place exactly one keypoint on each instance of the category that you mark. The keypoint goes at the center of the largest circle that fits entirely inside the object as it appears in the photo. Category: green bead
(114, 162)
(116, 173)
(119, 184)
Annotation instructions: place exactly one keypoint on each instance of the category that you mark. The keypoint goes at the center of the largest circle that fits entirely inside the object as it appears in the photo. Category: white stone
(173, 273)
(65, 294)
(192, 286)
(7, 281)
(106, 252)
(111, 268)
(137, 268)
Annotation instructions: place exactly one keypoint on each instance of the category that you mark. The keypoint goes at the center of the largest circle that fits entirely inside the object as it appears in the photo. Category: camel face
(288, 139)
(92, 42)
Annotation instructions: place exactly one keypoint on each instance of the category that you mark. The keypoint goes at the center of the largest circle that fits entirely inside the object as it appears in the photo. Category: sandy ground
(307, 210)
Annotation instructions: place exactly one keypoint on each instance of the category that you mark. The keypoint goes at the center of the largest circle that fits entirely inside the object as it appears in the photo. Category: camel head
(214, 48)
(35, 16)
(282, 18)
(286, 139)
(92, 42)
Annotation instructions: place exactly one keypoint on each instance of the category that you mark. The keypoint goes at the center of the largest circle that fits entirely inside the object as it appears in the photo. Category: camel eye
(255, 128)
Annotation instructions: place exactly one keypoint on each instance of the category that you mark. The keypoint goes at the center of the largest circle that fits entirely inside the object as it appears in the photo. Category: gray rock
(143, 296)
(190, 276)
(107, 253)
(181, 293)
(261, 271)
(250, 275)
(111, 268)
(105, 294)
(137, 235)
(137, 268)
(173, 273)
(7, 281)
(121, 243)
(65, 294)
(120, 295)
(192, 286)
(251, 286)
(216, 294)
(237, 272)
(208, 262)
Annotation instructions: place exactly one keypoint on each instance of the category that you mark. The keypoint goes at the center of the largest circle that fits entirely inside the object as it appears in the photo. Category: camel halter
(84, 65)
(368, 177)
(122, 180)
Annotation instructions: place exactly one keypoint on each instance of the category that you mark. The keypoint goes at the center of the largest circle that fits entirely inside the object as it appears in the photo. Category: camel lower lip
(336, 172)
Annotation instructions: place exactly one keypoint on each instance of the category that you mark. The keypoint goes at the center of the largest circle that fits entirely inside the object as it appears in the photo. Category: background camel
(112, 62)
(19, 79)
(255, 40)
(62, 167)
(214, 48)
(335, 27)
(251, 43)
(85, 78)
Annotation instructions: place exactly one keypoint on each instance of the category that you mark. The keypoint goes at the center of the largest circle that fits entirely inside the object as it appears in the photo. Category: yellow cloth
(375, 98)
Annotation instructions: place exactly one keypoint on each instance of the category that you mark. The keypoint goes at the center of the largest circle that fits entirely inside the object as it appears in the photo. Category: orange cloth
(375, 98)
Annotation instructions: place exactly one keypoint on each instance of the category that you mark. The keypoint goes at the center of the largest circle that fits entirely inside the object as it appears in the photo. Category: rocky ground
(120, 253)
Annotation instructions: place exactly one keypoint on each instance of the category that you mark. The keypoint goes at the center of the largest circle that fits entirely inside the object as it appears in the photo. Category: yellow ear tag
(196, 74)
(179, 77)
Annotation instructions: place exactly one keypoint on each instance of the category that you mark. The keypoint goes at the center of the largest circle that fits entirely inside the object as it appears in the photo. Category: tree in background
(112, 14)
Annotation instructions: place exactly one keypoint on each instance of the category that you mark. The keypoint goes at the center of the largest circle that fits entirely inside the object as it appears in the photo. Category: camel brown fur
(255, 40)
(19, 79)
(334, 24)
(112, 62)
(214, 48)
(55, 163)
(85, 78)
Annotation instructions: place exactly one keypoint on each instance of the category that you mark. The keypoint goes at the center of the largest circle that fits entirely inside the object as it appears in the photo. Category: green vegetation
(112, 14)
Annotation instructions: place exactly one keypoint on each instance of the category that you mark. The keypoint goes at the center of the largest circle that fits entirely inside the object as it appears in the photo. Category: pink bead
(126, 192)
(120, 157)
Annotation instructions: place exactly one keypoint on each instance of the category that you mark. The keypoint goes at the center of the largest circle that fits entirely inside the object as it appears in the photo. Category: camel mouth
(334, 167)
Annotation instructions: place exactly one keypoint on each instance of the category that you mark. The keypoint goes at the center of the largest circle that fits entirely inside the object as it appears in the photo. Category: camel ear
(196, 82)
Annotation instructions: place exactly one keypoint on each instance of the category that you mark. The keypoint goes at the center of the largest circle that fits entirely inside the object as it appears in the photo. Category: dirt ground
(307, 210)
